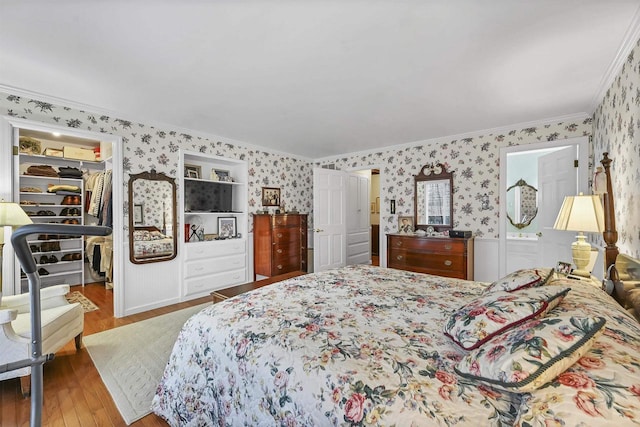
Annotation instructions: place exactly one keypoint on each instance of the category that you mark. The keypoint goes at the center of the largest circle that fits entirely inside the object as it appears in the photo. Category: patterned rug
(86, 303)
(132, 358)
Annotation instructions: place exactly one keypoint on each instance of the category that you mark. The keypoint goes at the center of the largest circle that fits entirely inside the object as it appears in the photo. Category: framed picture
(405, 224)
(192, 171)
(373, 207)
(563, 268)
(227, 226)
(270, 196)
(221, 175)
(138, 217)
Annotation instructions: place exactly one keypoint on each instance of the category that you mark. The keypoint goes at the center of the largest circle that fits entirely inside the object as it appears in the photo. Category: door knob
(317, 230)
(539, 234)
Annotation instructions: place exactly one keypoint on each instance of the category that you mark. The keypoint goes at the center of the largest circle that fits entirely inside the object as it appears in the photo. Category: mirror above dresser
(433, 203)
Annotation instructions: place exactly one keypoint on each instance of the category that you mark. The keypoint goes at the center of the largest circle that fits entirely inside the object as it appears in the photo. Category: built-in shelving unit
(207, 201)
(59, 259)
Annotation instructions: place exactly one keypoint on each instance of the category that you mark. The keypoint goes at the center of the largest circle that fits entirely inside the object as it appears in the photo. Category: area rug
(86, 303)
(131, 359)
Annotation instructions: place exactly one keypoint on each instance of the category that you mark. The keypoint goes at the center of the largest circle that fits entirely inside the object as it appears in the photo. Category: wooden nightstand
(223, 294)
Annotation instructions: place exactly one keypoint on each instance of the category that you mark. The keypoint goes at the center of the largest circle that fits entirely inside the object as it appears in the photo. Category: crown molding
(63, 102)
(629, 41)
(448, 138)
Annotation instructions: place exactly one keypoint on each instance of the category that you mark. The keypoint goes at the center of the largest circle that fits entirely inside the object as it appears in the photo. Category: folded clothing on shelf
(30, 190)
(59, 188)
(67, 172)
(41, 170)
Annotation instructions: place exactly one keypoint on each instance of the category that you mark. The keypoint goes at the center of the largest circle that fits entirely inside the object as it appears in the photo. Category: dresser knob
(279, 235)
(448, 263)
(399, 257)
(279, 267)
(279, 251)
(399, 243)
(447, 247)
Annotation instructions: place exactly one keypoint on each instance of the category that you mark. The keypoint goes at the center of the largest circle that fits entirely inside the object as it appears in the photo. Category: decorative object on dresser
(448, 257)
(270, 196)
(433, 198)
(279, 244)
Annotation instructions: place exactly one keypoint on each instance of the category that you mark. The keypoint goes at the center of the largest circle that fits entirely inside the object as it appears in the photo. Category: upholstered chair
(61, 322)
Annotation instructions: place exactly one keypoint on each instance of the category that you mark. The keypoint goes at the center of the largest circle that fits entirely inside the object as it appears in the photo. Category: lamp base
(581, 251)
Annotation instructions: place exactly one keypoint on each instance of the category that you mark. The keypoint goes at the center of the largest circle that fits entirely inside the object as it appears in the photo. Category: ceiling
(318, 78)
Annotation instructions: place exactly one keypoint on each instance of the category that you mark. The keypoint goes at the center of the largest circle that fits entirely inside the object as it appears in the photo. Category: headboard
(623, 270)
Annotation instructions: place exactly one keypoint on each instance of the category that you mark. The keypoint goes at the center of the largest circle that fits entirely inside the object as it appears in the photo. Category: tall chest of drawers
(279, 244)
(442, 256)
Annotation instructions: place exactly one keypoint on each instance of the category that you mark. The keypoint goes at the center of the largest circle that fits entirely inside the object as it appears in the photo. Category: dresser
(279, 244)
(442, 256)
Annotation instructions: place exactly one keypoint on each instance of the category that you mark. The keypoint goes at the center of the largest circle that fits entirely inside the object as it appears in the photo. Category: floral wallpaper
(148, 147)
(475, 162)
(617, 131)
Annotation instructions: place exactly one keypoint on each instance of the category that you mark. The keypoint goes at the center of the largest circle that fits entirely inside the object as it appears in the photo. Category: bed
(149, 242)
(366, 345)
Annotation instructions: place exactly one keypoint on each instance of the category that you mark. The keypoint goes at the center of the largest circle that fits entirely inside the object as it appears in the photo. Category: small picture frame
(227, 227)
(138, 216)
(192, 171)
(563, 268)
(270, 196)
(405, 224)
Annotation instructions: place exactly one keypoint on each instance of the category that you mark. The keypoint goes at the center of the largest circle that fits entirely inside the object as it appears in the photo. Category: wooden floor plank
(74, 394)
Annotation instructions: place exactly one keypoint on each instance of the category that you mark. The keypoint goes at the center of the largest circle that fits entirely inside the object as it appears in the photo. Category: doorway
(346, 210)
(10, 130)
(555, 170)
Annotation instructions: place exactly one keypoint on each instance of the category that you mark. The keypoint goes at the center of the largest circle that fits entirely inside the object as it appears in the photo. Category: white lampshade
(12, 214)
(581, 213)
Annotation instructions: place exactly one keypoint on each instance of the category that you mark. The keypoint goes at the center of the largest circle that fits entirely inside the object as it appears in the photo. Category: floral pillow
(531, 354)
(521, 279)
(491, 314)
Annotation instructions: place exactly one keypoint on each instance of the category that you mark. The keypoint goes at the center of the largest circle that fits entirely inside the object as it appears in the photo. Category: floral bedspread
(359, 346)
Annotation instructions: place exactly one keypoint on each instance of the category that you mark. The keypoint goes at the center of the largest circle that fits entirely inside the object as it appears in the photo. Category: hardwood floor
(74, 394)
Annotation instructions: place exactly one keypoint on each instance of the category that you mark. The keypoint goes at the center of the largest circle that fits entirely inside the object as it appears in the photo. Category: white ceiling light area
(318, 78)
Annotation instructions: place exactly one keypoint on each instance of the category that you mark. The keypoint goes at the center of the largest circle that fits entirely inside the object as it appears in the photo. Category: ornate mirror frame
(147, 201)
(526, 214)
(429, 176)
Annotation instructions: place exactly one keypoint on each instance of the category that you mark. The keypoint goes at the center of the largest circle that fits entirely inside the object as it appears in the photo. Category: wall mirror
(152, 218)
(434, 198)
(522, 204)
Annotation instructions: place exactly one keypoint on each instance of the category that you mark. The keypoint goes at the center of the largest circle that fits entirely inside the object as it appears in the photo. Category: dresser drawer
(215, 281)
(208, 266)
(285, 265)
(286, 236)
(206, 250)
(285, 221)
(439, 245)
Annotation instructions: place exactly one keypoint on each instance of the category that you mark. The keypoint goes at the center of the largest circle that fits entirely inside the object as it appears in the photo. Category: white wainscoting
(485, 261)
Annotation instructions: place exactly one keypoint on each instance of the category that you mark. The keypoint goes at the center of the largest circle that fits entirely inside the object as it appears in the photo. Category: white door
(557, 178)
(358, 218)
(329, 219)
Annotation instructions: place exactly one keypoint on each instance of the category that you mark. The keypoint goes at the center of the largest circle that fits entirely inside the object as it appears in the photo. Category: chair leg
(79, 341)
(25, 386)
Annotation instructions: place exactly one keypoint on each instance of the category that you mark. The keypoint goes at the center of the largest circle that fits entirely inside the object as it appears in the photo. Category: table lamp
(11, 215)
(583, 214)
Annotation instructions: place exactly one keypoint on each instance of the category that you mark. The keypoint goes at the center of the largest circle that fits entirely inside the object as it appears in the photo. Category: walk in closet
(67, 180)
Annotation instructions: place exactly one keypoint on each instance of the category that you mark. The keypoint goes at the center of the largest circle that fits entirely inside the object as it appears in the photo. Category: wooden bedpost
(610, 234)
